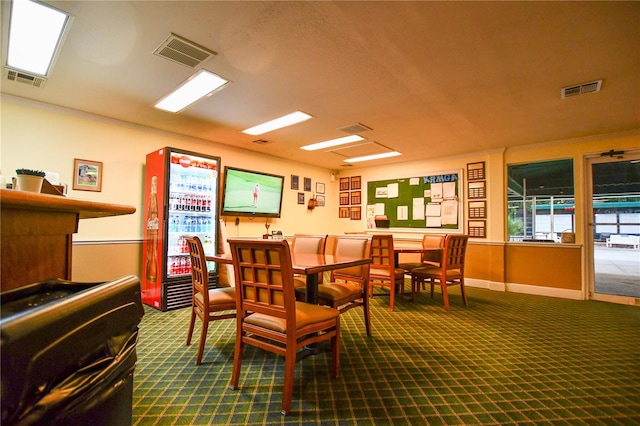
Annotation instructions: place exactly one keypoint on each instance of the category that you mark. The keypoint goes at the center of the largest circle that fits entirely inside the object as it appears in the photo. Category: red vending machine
(180, 198)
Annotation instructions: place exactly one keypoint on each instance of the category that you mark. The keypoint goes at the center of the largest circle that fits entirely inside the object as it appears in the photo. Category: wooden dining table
(310, 265)
(433, 252)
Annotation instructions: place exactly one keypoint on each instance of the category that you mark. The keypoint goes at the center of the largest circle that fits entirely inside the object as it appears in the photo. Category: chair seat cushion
(306, 314)
(220, 296)
(338, 291)
(412, 266)
(385, 274)
(434, 271)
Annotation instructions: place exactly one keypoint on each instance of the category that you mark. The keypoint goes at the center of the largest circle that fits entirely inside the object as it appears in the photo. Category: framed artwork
(477, 209)
(477, 189)
(319, 188)
(356, 213)
(344, 198)
(356, 197)
(356, 182)
(344, 213)
(475, 170)
(307, 184)
(294, 182)
(300, 197)
(320, 200)
(478, 228)
(87, 175)
(344, 184)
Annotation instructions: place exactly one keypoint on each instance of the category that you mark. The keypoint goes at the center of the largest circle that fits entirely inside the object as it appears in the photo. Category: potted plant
(29, 180)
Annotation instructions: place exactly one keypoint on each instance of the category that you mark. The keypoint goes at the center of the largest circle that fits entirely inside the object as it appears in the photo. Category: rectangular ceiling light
(35, 36)
(278, 123)
(199, 85)
(333, 142)
(372, 157)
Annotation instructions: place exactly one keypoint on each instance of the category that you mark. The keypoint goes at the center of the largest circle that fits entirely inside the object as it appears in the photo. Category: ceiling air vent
(25, 78)
(354, 129)
(183, 51)
(579, 89)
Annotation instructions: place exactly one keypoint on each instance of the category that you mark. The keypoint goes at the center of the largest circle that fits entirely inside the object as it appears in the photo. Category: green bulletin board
(433, 202)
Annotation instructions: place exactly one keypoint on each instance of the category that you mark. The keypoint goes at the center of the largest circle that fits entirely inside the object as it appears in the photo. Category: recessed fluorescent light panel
(372, 157)
(35, 36)
(196, 87)
(332, 142)
(278, 123)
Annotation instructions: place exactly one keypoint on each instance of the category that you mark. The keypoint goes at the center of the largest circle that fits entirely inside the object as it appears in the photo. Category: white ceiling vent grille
(183, 51)
(579, 89)
(21, 77)
(355, 128)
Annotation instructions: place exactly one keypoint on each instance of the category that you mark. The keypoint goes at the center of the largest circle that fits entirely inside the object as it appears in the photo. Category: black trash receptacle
(68, 352)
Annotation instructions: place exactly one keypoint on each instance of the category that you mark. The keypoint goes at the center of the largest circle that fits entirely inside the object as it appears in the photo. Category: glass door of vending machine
(192, 207)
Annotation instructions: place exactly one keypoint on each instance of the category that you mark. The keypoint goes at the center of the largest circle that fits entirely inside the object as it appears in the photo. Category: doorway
(613, 239)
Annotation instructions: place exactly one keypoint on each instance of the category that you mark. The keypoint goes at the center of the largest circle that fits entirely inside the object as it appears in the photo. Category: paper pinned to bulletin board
(433, 202)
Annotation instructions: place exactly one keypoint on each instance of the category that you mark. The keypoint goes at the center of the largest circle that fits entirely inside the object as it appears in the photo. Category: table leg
(312, 288)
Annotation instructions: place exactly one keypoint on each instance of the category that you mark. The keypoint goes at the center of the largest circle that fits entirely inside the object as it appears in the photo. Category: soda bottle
(152, 233)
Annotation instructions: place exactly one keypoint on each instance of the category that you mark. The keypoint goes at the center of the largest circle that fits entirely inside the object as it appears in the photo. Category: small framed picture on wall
(300, 197)
(87, 175)
(294, 182)
(307, 184)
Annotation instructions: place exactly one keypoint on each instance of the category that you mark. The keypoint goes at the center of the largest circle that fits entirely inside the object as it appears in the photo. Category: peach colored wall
(556, 266)
(99, 262)
(485, 262)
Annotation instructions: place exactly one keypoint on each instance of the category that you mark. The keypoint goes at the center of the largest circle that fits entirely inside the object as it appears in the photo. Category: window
(540, 200)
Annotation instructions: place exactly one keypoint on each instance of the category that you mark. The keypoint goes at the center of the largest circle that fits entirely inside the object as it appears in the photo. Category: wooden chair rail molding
(36, 234)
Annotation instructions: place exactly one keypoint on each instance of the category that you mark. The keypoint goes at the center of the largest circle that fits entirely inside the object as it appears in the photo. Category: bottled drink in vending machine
(152, 233)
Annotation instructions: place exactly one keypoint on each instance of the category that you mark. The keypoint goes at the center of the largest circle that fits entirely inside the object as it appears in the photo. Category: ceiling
(431, 79)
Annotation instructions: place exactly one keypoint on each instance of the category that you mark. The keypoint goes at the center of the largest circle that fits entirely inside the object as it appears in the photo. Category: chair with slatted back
(449, 272)
(269, 317)
(305, 243)
(383, 267)
(349, 287)
(207, 304)
(427, 258)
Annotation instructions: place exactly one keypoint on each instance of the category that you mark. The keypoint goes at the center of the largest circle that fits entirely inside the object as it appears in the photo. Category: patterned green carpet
(507, 358)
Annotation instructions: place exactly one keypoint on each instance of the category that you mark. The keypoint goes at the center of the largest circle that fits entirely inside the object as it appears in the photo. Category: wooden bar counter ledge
(37, 234)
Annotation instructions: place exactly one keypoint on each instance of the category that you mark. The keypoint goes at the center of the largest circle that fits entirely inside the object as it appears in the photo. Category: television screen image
(251, 193)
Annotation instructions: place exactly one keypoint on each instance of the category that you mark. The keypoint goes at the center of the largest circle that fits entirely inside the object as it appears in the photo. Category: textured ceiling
(431, 79)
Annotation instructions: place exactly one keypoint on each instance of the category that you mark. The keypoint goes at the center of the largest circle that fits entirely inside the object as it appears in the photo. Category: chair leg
(367, 316)
(237, 361)
(432, 285)
(445, 296)
(464, 295)
(414, 281)
(392, 294)
(191, 325)
(289, 374)
(203, 339)
(335, 351)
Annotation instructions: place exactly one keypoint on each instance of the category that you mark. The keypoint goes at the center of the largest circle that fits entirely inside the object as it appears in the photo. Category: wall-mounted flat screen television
(251, 193)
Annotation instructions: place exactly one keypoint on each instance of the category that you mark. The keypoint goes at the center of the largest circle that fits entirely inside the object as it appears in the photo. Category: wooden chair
(383, 267)
(427, 258)
(349, 287)
(207, 304)
(449, 272)
(304, 243)
(269, 317)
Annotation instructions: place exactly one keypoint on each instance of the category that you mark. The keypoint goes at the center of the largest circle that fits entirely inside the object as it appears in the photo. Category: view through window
(540, 201)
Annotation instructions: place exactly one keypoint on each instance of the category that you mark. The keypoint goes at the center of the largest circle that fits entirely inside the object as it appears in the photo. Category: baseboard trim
(525, 288)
